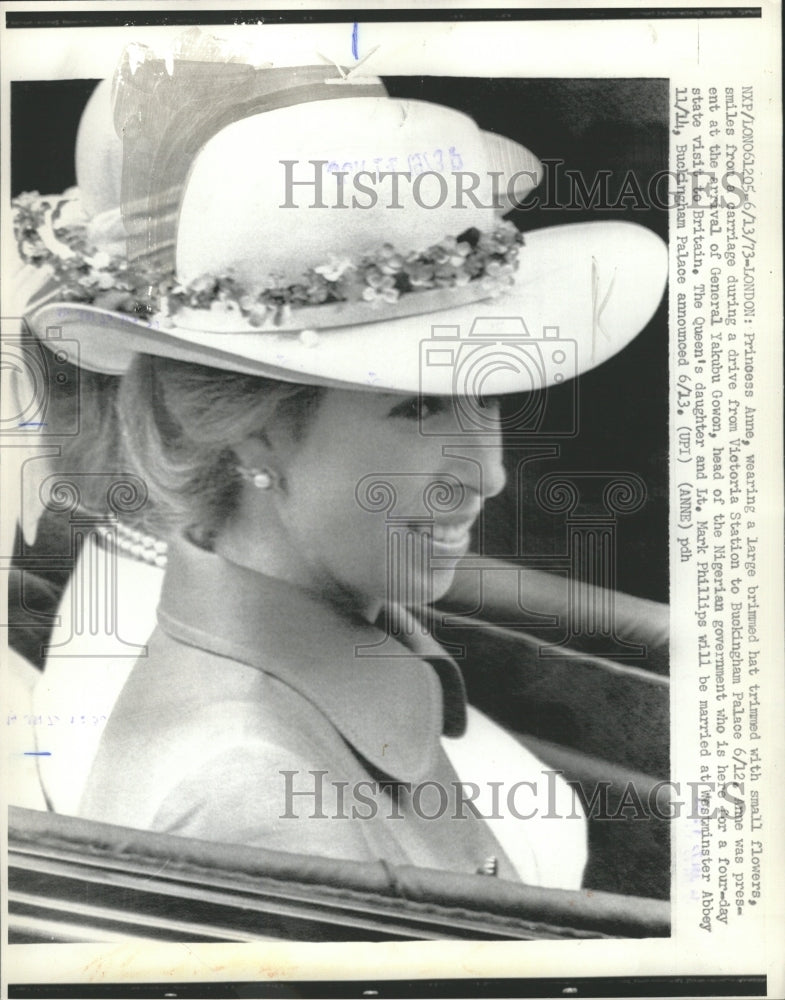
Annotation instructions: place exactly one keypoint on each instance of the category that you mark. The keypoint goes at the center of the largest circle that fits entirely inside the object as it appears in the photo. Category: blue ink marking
(435, 160)
(354, 41)
(33, 423)
(37, 753)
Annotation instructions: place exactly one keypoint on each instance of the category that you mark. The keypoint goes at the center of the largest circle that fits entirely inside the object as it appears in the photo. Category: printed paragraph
(716, 537)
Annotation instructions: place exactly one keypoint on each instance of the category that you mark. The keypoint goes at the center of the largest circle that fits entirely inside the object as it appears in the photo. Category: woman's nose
(491, 456)
(482, 456)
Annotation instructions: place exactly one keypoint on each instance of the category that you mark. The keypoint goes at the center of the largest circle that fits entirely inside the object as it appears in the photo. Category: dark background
(591, 125)
(622, 418)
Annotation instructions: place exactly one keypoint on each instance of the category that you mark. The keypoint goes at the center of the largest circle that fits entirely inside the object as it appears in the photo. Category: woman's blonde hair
(179, 425)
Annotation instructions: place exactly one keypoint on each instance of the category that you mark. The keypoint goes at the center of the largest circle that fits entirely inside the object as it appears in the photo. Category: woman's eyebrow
(400, 404)
(434, 403)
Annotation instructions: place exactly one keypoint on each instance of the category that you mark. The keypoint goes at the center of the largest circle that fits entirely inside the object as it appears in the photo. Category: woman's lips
(448, 539)
(450, 534)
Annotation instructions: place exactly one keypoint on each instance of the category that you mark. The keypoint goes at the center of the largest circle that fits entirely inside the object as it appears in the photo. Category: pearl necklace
(136, 544)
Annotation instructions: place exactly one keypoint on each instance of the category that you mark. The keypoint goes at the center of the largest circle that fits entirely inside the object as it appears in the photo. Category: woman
(317, 435)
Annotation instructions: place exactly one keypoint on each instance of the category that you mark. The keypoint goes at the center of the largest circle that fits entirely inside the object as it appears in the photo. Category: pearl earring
(262, 479)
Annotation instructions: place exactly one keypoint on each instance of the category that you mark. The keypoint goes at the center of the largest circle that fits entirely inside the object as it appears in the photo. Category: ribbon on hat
(167, 108)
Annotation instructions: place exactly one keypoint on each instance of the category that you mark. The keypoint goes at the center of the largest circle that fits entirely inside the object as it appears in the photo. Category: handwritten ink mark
(355, 52)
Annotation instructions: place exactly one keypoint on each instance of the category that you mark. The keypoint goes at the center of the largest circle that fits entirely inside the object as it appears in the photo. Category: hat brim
(582, 292)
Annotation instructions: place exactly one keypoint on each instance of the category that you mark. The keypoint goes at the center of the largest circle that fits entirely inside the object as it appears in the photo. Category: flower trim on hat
(86, 274)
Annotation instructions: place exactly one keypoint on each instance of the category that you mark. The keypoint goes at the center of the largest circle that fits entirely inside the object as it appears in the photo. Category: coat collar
(388, 703)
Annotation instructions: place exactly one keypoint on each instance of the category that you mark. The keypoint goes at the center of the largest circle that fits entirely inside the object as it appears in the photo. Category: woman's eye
(488, 402)
(418, 407)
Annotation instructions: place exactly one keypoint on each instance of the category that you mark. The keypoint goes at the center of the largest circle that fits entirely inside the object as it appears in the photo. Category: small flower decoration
(380, 288)
(418, 273)
(388, 261)
(334, 269)
(498, 276)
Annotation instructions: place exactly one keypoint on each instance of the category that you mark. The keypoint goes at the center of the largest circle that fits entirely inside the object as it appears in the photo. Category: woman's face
(382, 491)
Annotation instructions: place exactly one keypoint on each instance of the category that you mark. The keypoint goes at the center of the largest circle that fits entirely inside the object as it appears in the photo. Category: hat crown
(289, 189)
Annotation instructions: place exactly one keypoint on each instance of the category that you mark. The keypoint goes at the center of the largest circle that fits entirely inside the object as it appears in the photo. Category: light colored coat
(255, 718)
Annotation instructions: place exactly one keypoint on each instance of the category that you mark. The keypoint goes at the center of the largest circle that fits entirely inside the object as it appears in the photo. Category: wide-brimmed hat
(306, 227)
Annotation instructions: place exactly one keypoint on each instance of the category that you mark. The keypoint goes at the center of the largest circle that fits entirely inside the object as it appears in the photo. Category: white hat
(329, 234)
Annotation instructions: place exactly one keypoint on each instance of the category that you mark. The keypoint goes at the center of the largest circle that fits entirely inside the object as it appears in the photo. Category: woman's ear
(258, 463)
(272, 448)
(253, 450)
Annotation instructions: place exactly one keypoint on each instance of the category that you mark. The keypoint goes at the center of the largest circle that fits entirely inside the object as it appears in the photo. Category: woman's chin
(441, 581)
(418, 591)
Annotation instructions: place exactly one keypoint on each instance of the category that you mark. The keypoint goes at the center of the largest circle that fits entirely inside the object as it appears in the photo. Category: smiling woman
(321, 538)
(313, 405)
(196, 445)
(255, 718)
